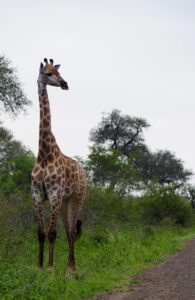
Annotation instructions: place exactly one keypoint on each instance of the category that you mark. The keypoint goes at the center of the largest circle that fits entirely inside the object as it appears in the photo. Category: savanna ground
(116, 245)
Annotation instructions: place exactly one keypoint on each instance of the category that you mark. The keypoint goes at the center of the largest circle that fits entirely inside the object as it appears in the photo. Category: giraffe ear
(41, 66)
(57, 66)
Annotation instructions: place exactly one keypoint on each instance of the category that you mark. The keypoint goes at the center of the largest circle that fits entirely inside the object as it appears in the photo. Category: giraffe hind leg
(79, 229)
(52, 232)
(70, 211)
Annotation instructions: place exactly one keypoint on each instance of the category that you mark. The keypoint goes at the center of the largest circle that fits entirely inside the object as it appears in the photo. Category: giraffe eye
(49, 74)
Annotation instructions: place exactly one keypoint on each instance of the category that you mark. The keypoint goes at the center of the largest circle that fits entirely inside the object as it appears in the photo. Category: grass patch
(105, 260)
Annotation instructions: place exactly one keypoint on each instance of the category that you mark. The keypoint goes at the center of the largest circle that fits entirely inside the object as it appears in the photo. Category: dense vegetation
(122, 233)
(117, 242)
(138, 209)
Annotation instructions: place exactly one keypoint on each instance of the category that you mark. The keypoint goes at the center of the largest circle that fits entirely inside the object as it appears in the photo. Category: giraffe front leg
(41, 237)
(41, 232)
(52, 232)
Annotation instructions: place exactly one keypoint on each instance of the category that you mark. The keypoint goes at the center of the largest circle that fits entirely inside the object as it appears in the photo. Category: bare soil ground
(172, 279)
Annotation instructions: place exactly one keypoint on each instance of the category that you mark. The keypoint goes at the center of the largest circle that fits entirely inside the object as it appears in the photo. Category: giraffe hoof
(70, 272)
(50, 270)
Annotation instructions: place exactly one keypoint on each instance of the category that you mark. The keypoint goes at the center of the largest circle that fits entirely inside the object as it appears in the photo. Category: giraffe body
(55, 176)
(59, 177)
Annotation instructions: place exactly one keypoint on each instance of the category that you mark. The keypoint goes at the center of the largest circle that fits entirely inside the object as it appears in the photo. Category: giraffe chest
(57, 183)
(54, 182)
(58, 180)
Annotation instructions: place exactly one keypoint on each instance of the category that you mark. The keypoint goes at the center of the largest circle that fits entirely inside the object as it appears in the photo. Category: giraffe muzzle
(64, 85)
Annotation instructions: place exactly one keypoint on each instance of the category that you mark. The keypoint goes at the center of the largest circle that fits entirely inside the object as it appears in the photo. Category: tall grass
(104, 261)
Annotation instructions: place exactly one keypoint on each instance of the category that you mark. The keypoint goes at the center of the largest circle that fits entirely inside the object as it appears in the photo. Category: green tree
(119, 132)
(16, 163)
(108, 169)
(161, 167)
(120, 157)
(12, 97)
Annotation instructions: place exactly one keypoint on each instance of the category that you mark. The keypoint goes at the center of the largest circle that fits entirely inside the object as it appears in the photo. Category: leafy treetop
(12, 97)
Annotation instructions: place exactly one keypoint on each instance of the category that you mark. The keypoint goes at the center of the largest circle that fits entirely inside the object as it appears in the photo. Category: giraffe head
(49, 75)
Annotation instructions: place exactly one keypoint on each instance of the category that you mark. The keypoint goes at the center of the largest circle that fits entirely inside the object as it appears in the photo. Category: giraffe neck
(45, 135)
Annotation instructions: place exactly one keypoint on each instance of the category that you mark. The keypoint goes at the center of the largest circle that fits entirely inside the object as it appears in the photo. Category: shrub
(107, 208)
(164, 206)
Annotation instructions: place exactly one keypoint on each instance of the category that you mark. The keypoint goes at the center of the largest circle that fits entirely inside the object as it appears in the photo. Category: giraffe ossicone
(55, 177)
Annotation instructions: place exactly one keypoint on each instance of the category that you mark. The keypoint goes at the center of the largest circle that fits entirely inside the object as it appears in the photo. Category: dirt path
(173, 279)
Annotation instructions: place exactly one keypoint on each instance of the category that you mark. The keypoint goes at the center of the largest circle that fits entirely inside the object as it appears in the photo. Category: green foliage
(17, 176)
(108, 169)
(190, 193)
(12, 97)
(165, 206)
(119, 159)
(9, 147)
(119, 132)
(15, 165)
(15, 183)
(161, 167)
(109, 209)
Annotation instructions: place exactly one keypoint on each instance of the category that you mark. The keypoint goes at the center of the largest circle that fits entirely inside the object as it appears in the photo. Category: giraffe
(55, 177)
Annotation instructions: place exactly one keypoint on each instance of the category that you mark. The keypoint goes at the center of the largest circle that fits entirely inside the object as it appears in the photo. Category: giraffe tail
(79, 229)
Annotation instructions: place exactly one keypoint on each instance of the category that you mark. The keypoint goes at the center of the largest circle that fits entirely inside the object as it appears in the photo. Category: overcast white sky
(134, 55)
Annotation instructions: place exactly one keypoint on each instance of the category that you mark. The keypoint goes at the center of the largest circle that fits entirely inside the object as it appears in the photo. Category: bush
(164, 206)
(108, 209)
